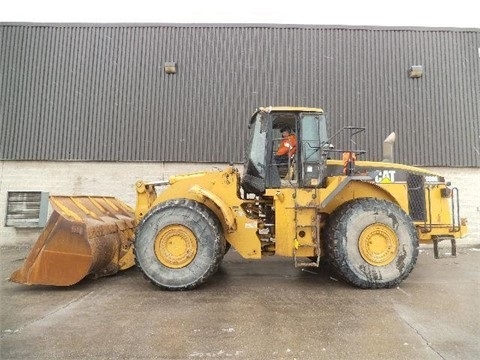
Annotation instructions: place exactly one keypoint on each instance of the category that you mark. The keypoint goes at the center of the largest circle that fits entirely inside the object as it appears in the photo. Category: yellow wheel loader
(364, 218)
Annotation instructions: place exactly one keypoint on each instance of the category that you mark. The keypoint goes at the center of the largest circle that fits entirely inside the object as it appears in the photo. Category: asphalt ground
(249, 310)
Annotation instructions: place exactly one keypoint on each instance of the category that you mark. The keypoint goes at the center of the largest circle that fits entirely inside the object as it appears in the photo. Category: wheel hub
(378, 244)
(175, 246)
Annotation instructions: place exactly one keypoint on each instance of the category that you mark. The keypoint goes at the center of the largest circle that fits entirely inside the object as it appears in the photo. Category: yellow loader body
(94, 236)
(366, 218)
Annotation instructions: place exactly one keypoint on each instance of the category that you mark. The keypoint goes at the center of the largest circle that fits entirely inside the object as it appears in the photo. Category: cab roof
(289, 109)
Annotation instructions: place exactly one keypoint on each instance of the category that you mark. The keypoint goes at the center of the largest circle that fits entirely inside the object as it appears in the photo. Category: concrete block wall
(79, 178)
(118, 179)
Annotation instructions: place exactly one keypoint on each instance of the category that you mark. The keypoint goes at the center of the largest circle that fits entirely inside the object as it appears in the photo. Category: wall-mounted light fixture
(170, 67)
(415, 71)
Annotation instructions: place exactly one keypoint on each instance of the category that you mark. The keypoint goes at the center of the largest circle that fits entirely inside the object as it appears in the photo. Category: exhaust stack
(388, 148)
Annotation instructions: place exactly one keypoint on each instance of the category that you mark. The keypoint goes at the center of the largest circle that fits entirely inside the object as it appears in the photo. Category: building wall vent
(27, 209)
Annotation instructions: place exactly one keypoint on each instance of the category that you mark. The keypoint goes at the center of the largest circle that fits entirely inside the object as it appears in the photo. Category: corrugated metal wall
(99, 92)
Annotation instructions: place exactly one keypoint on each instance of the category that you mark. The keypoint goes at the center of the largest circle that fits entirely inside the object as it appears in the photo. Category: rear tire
(179, 244)
(371, 243)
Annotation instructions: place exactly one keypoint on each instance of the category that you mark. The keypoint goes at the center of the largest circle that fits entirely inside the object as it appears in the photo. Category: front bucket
(85, 235)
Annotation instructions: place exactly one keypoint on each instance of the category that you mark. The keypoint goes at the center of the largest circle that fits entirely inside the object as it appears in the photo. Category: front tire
(179, 244)
(371, 243)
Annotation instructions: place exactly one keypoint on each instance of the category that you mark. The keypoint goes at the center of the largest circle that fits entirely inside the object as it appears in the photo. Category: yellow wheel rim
(175, 246)
(378, 244)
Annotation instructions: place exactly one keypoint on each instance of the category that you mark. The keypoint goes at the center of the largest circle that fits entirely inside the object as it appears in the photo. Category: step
(453, 243)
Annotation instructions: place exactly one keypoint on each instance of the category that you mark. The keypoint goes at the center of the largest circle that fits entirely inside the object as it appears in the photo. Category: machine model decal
(385, 176)
(432, 179)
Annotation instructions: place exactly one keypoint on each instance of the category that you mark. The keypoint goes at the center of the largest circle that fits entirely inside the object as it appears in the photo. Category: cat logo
(385, 176)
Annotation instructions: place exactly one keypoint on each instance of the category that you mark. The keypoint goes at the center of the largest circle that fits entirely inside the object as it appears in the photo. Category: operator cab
(304, 168)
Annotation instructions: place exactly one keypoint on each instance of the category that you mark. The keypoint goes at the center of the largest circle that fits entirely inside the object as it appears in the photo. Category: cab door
(311, 155)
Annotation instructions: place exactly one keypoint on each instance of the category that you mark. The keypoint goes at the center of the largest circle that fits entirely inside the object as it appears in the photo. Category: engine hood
(384, 172)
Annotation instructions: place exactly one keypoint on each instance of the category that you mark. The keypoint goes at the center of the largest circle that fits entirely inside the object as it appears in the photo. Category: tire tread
(336, 255)
(210, 221)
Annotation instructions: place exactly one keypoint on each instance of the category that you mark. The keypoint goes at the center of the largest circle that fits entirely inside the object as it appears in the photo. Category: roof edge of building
(242, 25)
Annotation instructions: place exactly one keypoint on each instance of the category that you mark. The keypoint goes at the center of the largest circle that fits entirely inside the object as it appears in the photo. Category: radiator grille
(416, 197)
